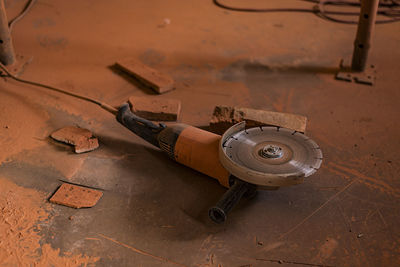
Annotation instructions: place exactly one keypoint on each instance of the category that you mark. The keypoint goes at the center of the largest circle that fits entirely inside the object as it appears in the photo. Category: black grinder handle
(141, 127)
(228, 201)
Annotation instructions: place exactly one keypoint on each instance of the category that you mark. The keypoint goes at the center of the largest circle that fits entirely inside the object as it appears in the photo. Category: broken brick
(156, 80)
(82, 139)
(225, 117)
(76, 196)
(155, 109)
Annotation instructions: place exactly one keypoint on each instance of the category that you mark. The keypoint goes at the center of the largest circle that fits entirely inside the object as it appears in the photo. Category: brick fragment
(225, 117)
(155, 109)
(76, 196)
(82, 139)
(156, 80)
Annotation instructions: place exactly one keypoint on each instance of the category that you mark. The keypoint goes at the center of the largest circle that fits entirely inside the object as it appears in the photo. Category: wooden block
(158, 81)
(155, 108)
(76, 196)
(224, 117)
(82, 139)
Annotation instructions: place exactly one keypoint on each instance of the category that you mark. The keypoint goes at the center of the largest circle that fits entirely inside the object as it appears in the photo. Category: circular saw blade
(269, 156)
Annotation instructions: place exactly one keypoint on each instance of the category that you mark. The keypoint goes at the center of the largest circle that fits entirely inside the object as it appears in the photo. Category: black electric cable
(105, 106)
(25, 10)
(389, 8)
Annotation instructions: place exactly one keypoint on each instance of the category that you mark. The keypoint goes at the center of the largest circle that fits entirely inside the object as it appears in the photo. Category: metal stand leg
(359, 71)
(15, 63)
(7, 54)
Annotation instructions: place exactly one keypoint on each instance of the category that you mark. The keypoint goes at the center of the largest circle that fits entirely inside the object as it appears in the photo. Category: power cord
(105, 106)
(25, 10)
(387, 8)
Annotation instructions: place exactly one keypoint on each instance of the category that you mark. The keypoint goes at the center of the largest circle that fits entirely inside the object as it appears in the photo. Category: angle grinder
(242, 159)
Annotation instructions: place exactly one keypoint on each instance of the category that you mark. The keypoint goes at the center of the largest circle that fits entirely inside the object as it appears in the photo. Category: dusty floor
(154, 211)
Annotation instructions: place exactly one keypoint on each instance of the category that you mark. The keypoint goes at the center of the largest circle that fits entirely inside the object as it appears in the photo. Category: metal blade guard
(269, 156)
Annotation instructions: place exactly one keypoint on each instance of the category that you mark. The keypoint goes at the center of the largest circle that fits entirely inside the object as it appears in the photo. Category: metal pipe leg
(7, 54)
(365, 30)
(359, 71)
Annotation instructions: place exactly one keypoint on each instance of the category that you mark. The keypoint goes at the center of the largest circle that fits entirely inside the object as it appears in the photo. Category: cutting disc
(269, 156)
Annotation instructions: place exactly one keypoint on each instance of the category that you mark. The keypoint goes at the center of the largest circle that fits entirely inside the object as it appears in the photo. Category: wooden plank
(156, 80)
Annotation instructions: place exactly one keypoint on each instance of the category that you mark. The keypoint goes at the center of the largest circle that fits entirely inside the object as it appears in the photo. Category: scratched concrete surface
(154, 211)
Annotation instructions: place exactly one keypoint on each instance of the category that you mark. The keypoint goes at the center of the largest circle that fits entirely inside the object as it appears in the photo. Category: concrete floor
(346, 214)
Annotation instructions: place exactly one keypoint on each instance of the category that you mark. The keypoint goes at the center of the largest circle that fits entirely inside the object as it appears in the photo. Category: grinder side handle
(228, 201)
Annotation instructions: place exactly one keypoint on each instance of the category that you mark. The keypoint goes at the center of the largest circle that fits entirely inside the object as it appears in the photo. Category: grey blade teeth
(307, 156)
